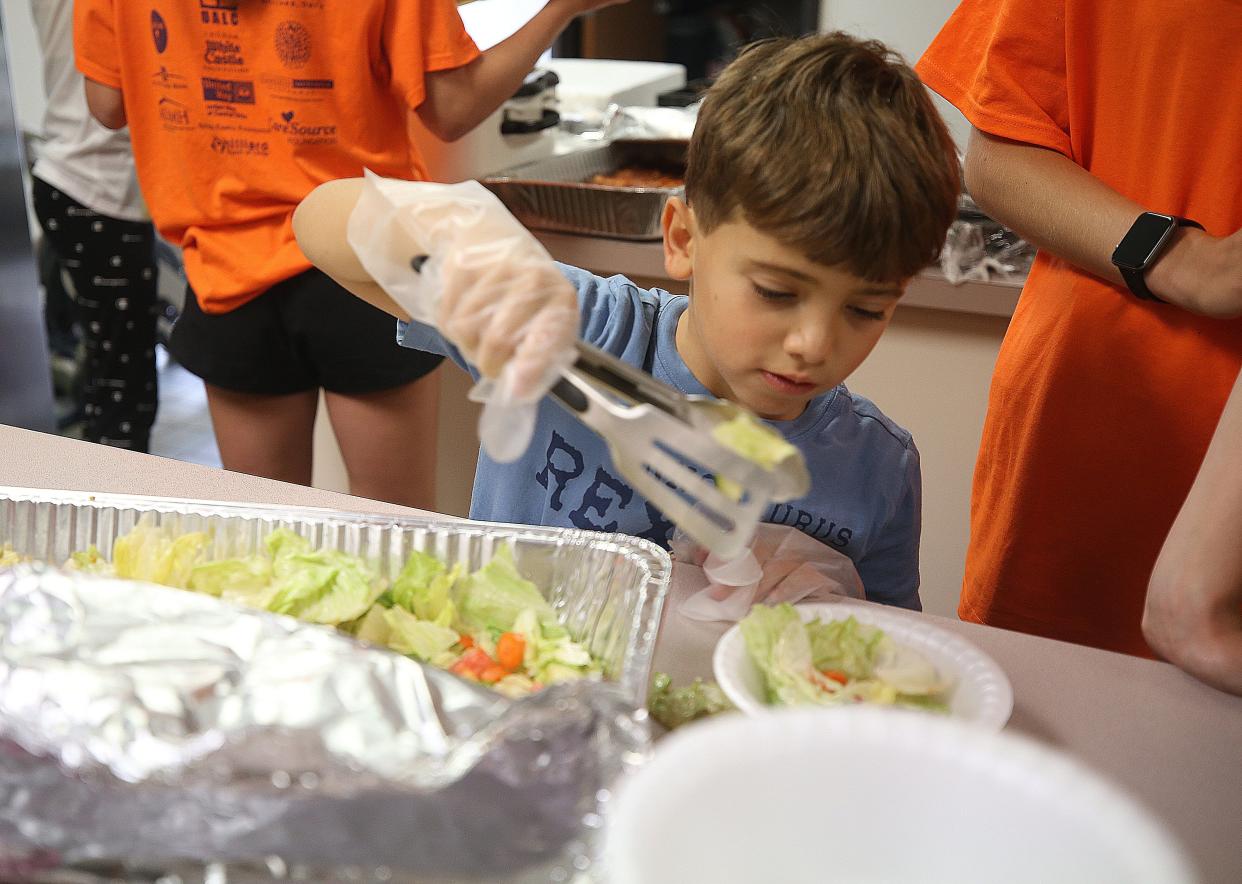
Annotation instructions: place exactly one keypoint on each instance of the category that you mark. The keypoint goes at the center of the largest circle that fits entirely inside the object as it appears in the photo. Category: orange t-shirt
(1101, 405)
(239, 108)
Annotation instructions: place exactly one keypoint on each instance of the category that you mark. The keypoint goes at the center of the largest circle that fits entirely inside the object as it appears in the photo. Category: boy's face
(766, 327)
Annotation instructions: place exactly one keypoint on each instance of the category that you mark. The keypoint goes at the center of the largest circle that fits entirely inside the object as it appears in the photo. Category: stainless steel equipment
(557, 195)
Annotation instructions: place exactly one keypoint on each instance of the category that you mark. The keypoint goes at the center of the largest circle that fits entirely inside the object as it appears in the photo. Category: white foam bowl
(869, 795)
(980, 692)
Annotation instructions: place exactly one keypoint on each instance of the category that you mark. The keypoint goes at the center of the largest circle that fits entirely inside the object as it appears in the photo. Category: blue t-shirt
(866, 485)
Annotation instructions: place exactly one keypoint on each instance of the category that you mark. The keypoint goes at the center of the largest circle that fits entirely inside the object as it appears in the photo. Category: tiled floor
(182, 428)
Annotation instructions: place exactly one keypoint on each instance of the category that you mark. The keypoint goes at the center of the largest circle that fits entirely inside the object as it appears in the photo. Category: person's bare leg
(269, 436)
(388, 441)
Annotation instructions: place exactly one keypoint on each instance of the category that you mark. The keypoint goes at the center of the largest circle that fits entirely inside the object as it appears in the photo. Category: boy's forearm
(459, 99)
(319, 224)
(1064, 209)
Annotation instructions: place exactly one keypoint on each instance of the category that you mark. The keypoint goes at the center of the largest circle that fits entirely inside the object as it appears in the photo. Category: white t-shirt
(84, 160)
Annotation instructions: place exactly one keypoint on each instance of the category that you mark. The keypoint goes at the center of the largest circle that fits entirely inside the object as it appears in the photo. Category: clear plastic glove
(488, 286)
(782, 565)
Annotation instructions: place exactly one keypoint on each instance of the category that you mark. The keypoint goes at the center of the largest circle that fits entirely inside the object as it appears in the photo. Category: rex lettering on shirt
(600, 500)
(865, 480)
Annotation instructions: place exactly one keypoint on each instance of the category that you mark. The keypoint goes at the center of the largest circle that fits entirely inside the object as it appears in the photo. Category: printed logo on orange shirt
(228, 91)
(159, 32)
(166, 79)
(174, 114)
(218, 12)
(240, 146)
(223, 53)
(293, 44)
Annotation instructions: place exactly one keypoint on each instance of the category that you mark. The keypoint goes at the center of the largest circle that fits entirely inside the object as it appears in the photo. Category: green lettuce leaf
(673, 707)
(232, 578)
(492, 597)
(418, 638)
(424, 588)
(153, 554)
(845, 645)
(777, 641)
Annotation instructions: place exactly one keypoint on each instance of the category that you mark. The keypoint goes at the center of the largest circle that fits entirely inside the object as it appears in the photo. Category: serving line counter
(1172, 742)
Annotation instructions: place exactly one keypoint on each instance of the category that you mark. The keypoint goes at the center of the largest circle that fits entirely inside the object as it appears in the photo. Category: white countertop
(1172, 742)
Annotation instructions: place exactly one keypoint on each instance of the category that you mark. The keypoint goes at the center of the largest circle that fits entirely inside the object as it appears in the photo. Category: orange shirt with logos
(239, 108)
(1101, 405)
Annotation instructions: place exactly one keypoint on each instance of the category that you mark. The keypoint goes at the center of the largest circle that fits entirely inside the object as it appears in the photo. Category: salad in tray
(491, 626)
(838, 661)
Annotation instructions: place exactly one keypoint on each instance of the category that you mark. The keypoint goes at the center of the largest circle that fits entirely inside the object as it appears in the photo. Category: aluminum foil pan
(553, 195)
(142, 724)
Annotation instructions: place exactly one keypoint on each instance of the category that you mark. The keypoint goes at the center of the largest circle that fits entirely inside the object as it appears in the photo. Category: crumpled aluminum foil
(151, 725)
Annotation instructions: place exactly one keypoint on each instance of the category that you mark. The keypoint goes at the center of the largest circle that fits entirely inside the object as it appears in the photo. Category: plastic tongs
(661, 440)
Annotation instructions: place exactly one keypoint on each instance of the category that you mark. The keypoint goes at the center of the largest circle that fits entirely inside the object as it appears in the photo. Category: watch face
(1144, 240)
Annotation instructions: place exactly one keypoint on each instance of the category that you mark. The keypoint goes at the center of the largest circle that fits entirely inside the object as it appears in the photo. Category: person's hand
(1201, 273)
(516, 317)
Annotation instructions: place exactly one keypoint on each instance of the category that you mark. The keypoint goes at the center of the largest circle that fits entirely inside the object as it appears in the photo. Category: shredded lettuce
(838, 661)
(10, 557)
(431, 612)
(673, 707)
(156, 555)
(493, 596)
(417, 638)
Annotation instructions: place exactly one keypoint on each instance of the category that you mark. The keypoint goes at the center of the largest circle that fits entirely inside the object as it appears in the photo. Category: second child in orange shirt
(237, 109)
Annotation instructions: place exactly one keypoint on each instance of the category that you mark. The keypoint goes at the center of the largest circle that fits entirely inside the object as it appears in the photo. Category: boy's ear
(680, 229)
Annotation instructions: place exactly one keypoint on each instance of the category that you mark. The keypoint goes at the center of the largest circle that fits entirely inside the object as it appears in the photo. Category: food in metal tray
(637, 176)
(491, 626)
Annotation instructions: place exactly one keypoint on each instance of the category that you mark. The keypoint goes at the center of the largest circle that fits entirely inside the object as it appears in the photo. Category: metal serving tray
(554, 194)
(607, 589)
(143, 724)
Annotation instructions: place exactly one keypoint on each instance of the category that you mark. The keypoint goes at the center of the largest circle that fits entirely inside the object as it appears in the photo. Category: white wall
(25, 64)
(906, 25)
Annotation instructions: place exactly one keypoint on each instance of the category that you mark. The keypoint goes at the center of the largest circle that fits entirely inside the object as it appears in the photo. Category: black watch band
(1135, 277)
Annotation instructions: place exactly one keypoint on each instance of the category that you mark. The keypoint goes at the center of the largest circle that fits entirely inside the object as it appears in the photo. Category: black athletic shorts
(303, 333)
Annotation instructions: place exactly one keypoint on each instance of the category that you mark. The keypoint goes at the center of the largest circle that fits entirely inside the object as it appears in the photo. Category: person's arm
(1062, 208)
(512, 312)
(319, 225)
(1193, 615)
(106, 104)
(458, 99)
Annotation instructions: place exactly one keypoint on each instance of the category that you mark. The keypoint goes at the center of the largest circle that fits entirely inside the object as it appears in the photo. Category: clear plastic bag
(978, 249)
(657, 123)
(782, 565)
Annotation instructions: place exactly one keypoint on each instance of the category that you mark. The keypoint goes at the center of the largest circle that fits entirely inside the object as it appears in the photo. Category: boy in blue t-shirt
(820, 180)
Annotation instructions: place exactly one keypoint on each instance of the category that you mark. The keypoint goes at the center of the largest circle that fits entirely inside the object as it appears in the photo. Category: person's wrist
(1177, 274)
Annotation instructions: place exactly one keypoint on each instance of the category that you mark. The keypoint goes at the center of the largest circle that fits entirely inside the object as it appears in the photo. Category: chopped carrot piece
(466, 641)
(492, 674)
(510, 650)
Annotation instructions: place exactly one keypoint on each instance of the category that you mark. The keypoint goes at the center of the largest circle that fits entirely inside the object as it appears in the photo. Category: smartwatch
(1142, 245)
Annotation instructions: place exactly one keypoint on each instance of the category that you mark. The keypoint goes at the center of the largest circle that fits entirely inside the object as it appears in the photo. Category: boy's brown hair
(830, 144)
